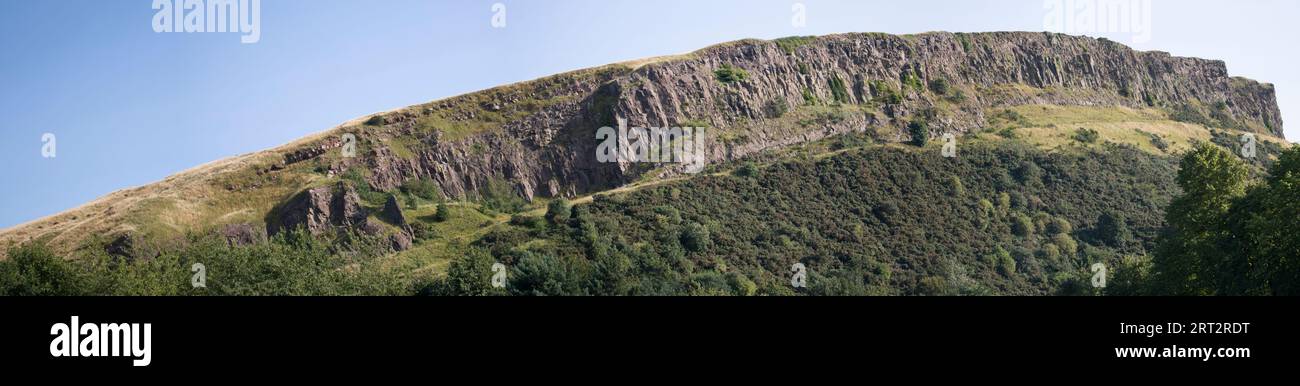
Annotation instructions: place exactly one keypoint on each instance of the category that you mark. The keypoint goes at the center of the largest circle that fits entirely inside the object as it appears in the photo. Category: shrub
(776, 107)
(748, 169)
(1059, 226)
(1084, 135)
(839, 93)
(526, 221)
(422, 188)
(1009, 118)
(1159, 142)
(809, 99)
(558, 211)
(954, 183)
(912, 80)
(1002, 261)
(729, 74)
(920, 131)
(1188, 113)
(850, 140)
(1008, 133)
(741, 285)
(934, 286)
(1066, 244)
(1049, 252)
(500, 196)
(422, 231)
(696, 238)
(957, 96)
(470, 274)
(356, 178)
(375, 120)
(1149, 99)
(443, 213)
(887, 212)
(884, 93)
(1021, 225)
(1029, 173)
(549, 275)
(940, 86)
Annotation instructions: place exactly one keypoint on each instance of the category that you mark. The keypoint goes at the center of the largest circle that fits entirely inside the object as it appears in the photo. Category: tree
(443, 213)
(920, 131)
(1186, 254)
(1259, 245)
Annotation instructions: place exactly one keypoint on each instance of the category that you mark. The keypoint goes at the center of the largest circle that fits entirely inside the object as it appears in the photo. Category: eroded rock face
(393, 212)
(321, 209)
(551, 150)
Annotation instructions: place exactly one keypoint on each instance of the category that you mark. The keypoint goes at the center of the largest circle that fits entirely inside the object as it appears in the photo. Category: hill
(1059, 102)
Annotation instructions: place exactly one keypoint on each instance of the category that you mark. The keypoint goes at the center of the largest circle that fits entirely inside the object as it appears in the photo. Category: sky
(128, 106)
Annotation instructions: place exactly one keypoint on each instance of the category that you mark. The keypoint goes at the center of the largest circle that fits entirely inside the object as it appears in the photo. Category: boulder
(320, 209)
(393, 212)
(401, 241)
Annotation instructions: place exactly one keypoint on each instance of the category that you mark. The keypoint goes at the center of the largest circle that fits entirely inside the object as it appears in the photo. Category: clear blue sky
(130, 106)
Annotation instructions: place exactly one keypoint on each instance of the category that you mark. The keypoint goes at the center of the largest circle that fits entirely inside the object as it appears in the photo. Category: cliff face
(545, 143)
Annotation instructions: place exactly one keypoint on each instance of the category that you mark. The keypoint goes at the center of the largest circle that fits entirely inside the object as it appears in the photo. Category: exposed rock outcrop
(320, 209)
(401, 241)
(393, 212)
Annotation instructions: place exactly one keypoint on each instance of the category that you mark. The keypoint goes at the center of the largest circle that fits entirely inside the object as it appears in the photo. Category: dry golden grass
(187, 201)
(1054, 127)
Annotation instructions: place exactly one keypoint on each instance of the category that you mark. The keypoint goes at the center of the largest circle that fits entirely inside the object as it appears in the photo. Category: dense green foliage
(1226, 237)
(293, 264)
(868, 221)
